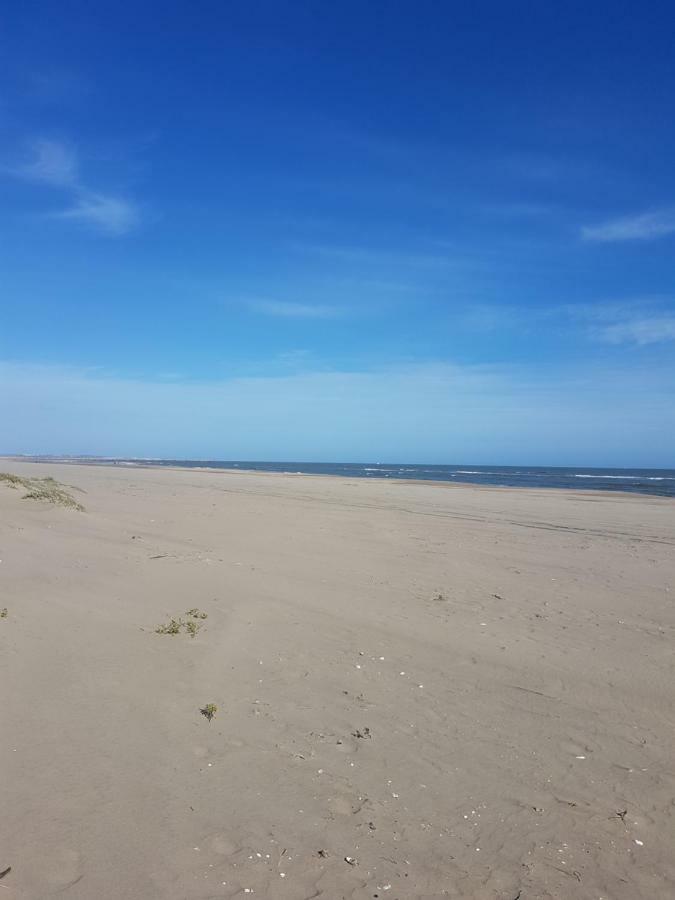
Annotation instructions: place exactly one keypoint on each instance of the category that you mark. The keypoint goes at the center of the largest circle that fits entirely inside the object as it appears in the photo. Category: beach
(421, 690)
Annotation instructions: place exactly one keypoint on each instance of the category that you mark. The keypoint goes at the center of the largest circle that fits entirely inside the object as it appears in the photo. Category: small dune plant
(172, 627)
(14, 481)
(47, 489)
(191, 626)
(209, 711)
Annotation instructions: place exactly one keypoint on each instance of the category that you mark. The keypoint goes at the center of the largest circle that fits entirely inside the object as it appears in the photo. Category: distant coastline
(655, 482)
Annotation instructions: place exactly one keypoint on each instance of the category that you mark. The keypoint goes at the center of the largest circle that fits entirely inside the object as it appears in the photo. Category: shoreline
(125, 464)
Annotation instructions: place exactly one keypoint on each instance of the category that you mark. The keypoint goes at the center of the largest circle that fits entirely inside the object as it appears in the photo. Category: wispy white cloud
(641, 331)
(112, 215)
(372, 257)
(643, 227)
(290, 310)
(56, 165)
(639, 322)
(50, 162)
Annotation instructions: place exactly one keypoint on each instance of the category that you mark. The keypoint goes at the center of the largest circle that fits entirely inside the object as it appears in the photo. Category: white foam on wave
(500, 474)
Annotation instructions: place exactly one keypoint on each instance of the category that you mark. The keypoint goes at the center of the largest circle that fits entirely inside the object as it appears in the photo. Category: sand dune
(422, 691)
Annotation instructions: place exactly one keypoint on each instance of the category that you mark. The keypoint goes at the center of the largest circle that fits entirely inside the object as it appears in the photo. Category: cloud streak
(640, 331)
(111, 215)
(641, 321)
(56, 165)
(367, 256)
(644, 227)
(290, 310)
(52, 163)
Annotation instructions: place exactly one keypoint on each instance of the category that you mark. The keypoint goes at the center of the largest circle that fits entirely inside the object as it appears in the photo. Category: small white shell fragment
(580, 757)
(639, 843)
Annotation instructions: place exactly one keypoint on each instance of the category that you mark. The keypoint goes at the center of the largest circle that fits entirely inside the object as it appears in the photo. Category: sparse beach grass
(47, 489)
(174, 626)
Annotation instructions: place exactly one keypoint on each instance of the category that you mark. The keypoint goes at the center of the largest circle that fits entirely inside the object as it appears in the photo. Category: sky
(410, 232)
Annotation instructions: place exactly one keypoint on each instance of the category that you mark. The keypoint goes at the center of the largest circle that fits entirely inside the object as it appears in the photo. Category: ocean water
(660, 482)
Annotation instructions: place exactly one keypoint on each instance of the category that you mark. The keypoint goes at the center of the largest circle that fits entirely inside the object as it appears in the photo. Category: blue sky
(432, 232)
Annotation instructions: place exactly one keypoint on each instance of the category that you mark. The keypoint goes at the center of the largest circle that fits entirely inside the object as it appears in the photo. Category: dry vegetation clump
(46, 489)
(209, 710)
(174, 626)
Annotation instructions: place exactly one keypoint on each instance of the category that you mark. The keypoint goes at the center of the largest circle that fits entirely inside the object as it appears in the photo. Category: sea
(658, 482)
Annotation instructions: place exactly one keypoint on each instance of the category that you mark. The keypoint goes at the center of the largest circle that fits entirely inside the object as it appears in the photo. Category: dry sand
(512, 738)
